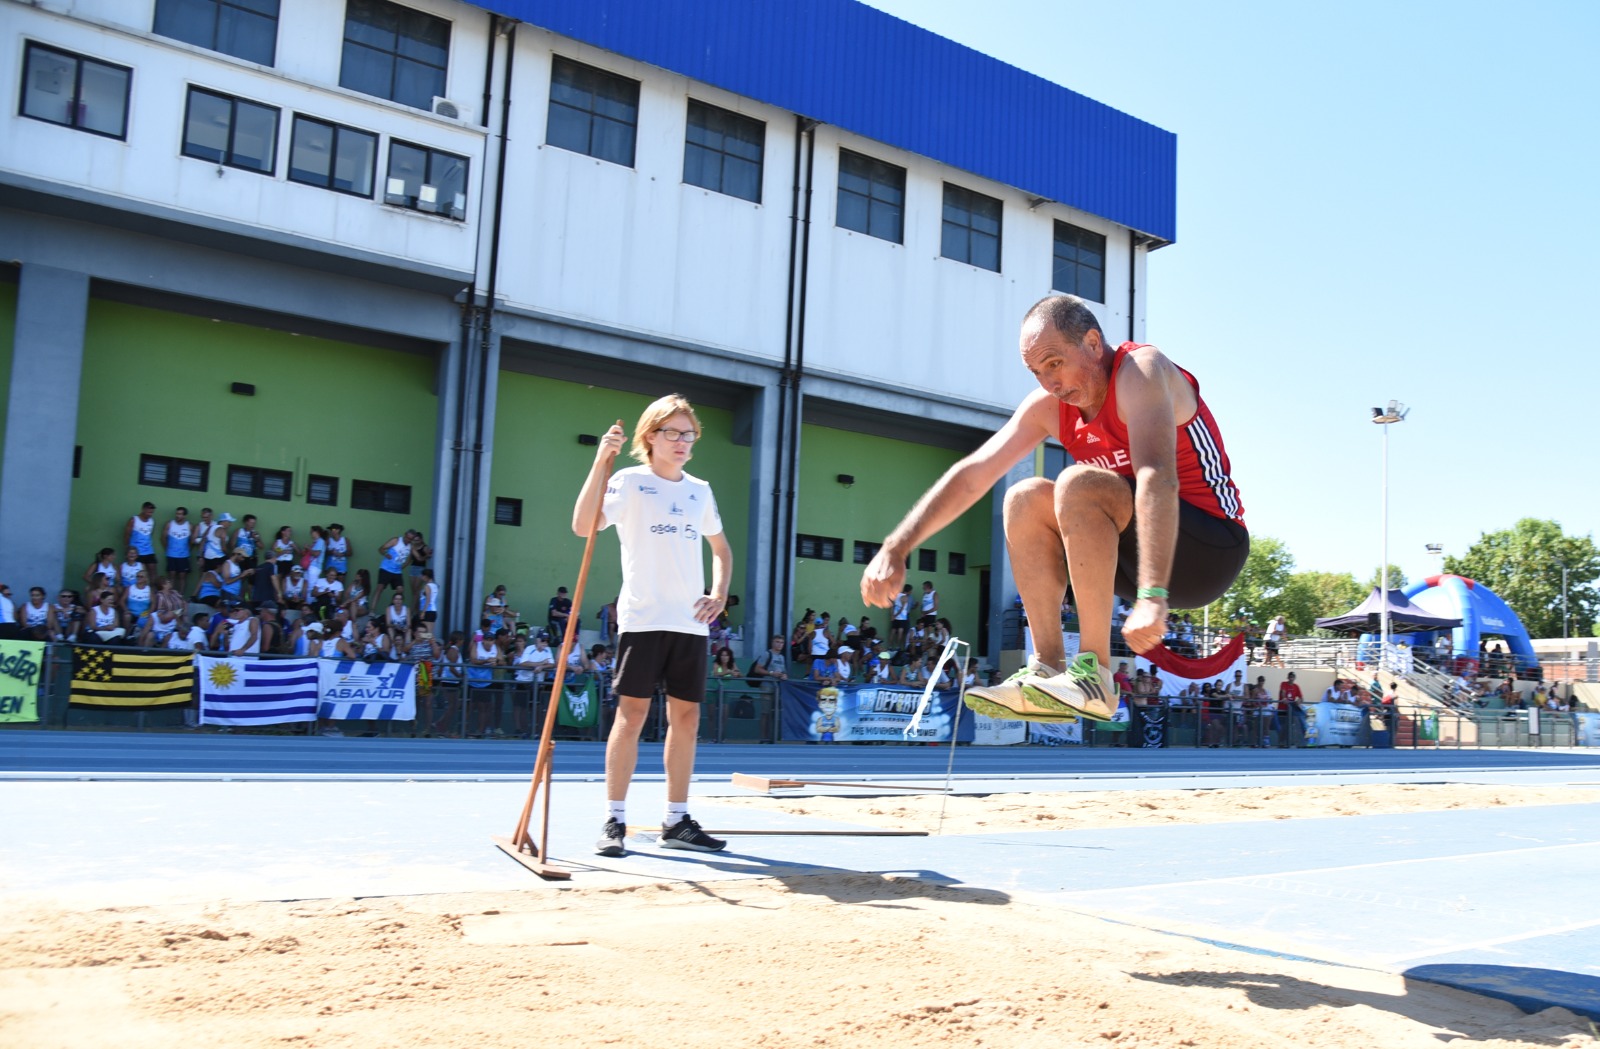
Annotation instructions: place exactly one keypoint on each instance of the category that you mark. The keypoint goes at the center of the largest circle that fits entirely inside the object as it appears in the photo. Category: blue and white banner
(847, 713)
(1588, 729)
(237, 691)
(356, 691)
(1334, 725)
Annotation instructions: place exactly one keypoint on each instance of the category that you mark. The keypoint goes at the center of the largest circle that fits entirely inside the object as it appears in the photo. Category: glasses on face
(66, 597)
(686, 436)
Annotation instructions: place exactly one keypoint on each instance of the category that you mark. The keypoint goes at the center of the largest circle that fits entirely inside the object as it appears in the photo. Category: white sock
(676, 811)
(618, 811)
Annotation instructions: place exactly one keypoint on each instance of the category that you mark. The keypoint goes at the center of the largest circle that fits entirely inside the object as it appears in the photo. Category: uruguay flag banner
(355, 691)
(237, 691)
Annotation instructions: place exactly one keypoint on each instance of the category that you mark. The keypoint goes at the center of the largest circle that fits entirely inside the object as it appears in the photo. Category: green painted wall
(8, 334)
(158, 383)
(538, 459)
(889, 476)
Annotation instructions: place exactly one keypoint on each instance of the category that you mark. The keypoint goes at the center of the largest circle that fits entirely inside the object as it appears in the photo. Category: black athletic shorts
(390, 578)
(147, 559)
(1209, 556)
(177, 564)
(208, 563)
(648, 658)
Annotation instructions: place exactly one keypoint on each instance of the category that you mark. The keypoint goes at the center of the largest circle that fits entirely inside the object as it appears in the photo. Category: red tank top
(1204, 474)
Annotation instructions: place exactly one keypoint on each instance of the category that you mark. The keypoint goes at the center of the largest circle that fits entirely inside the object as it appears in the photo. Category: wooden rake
(520, 846)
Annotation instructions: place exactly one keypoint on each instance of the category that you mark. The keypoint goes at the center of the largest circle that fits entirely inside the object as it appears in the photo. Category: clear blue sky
(1375, 201)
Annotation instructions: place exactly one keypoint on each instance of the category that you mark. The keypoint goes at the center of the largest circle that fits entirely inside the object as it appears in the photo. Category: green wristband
(1153, 591)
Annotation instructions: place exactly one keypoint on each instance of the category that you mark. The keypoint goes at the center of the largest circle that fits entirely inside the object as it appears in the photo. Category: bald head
(1067, 314)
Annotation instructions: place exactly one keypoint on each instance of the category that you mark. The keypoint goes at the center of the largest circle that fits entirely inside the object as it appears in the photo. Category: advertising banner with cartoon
(881, 714)
(1335, 725)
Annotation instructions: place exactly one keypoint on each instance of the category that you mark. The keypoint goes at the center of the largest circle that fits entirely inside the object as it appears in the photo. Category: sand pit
(837, 960)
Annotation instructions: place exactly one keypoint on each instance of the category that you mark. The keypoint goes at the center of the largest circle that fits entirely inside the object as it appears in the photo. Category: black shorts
(177, 564)
(390, 578)
(430, 617)
(208, 563)
(648, 658)
(147, 559)
(1208, 558)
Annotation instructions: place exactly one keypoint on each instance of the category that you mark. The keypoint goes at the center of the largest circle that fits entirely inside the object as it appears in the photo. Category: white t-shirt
(194, 639)
(534, 661)
(660, 524)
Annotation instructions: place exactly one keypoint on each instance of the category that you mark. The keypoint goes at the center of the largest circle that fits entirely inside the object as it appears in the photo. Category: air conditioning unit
(443, 107)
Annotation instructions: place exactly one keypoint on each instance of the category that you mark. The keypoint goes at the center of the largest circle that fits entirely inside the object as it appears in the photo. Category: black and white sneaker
(686, 834)
(611, 835)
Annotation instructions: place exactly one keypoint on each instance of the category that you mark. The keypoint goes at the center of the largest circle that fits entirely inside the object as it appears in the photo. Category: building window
(722, 151)
(508, 511)
(394, 52)
(332, 156)
(259, 483)
(1080, 262)
(592, 112)
(246, 29)
(163, 471)
(865, 552)
(426, 179)
(927, 560)
(971, 228)
(321, 490)
(872, 197)
(59, 87)
(375, 495)
(818, 548)
(231, 131)
(958, 563)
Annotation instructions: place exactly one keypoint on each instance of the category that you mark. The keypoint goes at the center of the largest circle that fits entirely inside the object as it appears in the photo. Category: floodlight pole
(1396, 412)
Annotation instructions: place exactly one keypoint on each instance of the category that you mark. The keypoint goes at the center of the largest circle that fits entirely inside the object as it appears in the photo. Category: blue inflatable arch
(1482, 613)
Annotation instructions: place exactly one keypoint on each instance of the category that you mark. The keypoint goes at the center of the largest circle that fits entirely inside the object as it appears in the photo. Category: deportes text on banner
(21, 665)
(356, 691)
(257, 691)
(868, 712)
(105, 678)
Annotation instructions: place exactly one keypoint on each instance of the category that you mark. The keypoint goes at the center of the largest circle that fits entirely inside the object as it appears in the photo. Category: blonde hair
(653, 416)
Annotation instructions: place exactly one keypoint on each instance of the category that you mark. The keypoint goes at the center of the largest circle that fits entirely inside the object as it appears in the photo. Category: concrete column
(41, 427)
(483, 505)
(756, 424)
(441, 530)
(1002, 578)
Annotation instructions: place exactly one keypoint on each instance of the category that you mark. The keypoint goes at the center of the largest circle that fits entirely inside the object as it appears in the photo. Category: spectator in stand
(560, 611)
(448, 682)
(338, 550)
(175, 537)
(139, 533)
(397, 619)
(424, 652)
(396, 555)
(327, 592)
(940, 632)
(723, 667)
(1186, 644)
(296, 591)
(191, 638)
(376, 646)
(128, 570)
(428, 599)
(915, 672)
(314, 558)
(607, 619)
(357, 595)
(485, 657)
(421, 552)
(283, 553)
(846, 632)
(930, 600)
(497, 609)
(105, 564)
(1264, 711)
(538, 659)
(1121, 680)
(100, 582)
(333, 645)
(272, 636)
(900, 618)
(247, 539)
(877, 669)
(9, 629)
(104, 618)
(827, 669)
(1277, 634)
(770, 666)
(821, 644)
(66, 617)
(244, 631)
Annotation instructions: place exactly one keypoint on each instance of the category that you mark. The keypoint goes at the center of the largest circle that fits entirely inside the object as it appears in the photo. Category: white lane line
(1333, 870)
(1478, 945)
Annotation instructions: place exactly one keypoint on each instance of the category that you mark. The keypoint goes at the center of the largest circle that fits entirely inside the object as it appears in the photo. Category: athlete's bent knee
(1026, 497)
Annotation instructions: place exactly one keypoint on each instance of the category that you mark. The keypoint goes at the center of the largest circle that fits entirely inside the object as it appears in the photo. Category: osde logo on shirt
(664, 529)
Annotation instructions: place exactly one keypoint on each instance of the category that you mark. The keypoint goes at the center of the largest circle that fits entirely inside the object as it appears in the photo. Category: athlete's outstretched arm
(956, 492)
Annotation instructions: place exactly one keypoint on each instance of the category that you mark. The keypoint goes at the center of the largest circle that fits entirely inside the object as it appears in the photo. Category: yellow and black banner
(107, 678)
(21, 666)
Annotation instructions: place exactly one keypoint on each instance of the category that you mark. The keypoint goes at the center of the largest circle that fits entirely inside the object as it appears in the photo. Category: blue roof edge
(870, 73)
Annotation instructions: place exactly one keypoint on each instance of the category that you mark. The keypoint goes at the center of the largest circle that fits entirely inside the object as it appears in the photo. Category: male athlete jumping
(1148, 510)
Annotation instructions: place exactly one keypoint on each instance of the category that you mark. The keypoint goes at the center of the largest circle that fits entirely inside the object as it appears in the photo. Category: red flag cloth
(1204, 666)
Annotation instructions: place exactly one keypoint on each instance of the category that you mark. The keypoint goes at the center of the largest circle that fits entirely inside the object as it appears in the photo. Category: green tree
(1259, 588)
(1310, 596)
(1397, 580)
(1523, 565)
